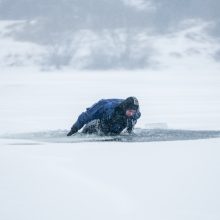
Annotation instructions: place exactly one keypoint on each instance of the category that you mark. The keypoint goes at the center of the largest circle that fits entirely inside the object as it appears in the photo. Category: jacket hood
(129, 103)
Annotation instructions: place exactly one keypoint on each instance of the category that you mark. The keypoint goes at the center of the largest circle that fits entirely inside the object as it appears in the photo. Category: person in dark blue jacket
(108, 117)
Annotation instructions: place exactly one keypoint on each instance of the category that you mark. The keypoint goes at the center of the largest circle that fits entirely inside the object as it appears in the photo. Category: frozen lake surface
(167, 171)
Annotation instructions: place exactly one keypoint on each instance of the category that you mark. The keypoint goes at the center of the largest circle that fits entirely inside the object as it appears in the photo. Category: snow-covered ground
(170, 180)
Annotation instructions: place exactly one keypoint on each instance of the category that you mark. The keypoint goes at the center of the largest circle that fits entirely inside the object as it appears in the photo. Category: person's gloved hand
(72, 131)
(129, 130)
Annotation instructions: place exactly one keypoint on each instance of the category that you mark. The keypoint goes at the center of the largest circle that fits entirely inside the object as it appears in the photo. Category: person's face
(130, 112)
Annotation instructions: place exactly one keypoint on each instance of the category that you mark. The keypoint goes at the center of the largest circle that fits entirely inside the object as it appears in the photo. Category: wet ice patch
(139, 135)
(149, 135)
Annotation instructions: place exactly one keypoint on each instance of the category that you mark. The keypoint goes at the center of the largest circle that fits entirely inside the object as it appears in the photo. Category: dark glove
(129, 130)
(72, 131)
(130, 126)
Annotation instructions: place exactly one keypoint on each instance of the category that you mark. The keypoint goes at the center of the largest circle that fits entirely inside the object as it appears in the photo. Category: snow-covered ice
(169, 180)
(41, 179)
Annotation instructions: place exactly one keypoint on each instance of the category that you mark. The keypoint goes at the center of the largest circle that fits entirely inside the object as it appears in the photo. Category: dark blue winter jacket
(104, 110)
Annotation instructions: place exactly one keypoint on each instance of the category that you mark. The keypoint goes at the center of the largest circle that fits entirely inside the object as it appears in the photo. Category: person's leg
(93, 127)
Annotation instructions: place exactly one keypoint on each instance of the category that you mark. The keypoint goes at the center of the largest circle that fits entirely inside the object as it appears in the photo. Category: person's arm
(131, 122)
(130, 125)
(90, 114)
